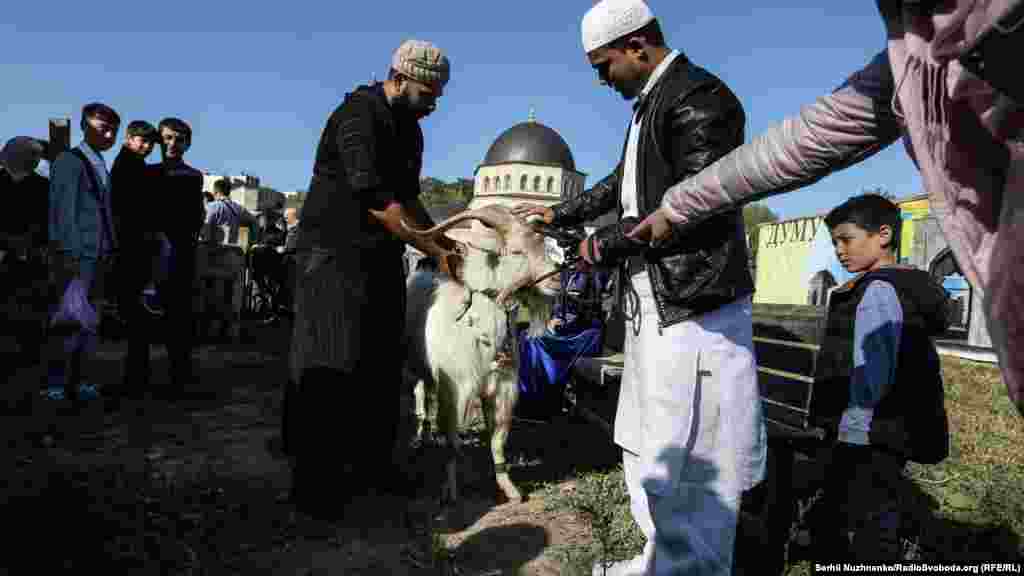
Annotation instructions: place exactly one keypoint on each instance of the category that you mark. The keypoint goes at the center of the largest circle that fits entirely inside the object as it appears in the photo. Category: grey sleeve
(876, 344)
(838, 130)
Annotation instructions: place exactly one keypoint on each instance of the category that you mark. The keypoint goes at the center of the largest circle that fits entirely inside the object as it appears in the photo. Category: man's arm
(837, 131)
(592, 203)
(876, 347)
(357, 144)
(63, 209)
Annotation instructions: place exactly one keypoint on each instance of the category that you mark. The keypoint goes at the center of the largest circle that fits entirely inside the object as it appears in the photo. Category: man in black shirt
(347, 348)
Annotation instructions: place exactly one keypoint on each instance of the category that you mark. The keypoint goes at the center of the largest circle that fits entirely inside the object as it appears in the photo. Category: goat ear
(486, 241)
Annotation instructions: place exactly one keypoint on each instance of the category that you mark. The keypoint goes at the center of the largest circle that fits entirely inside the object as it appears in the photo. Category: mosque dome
(530, 142)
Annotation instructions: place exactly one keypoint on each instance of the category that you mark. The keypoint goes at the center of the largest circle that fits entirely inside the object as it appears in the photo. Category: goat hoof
(512, 494)
(513, 498)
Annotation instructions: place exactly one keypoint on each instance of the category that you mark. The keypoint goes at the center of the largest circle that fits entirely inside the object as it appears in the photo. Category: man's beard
(414, 111)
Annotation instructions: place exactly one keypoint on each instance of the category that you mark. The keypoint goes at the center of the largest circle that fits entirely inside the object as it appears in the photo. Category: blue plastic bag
(545, 364)
(75, 313)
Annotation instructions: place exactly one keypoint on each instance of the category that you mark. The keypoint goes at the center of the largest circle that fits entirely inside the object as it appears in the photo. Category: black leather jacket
(691, 119)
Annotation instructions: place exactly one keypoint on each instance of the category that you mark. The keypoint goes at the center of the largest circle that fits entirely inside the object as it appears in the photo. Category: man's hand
(440, 248)
(654, 229)
(586, 258)
(450, 264)
(524, 211)
(63, 269)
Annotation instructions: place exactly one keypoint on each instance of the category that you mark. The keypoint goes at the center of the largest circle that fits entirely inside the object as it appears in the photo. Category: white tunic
(628, 189)
(690, 388)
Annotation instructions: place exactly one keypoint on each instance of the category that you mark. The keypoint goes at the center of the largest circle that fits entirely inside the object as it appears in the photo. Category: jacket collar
(641, 101)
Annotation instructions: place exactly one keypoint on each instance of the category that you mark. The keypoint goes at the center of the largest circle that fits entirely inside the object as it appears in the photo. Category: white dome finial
(533, 115)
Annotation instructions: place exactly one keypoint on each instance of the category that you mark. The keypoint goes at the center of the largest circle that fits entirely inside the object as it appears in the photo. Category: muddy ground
(200, 486)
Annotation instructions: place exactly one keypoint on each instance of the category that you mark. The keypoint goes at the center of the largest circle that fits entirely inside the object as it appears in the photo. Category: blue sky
(256, 82)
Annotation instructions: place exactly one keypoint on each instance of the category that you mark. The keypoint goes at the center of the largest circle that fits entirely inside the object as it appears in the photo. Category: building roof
(531, 143)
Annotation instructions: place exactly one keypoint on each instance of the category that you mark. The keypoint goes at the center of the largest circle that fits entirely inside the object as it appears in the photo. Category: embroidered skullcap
(421, 61)
(610, 20)
(21, 155)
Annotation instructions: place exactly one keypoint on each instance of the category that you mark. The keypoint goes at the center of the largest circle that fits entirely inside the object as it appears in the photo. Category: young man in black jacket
(179, 188)
(689, 412)
(140, 245)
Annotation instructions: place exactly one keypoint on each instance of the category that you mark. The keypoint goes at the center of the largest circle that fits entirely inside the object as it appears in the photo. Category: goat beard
(540, 308)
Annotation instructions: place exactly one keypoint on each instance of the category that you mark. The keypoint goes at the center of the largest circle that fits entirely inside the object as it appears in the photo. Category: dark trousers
(865, 494)
(175, 326)
(342, 419)
(341, 430)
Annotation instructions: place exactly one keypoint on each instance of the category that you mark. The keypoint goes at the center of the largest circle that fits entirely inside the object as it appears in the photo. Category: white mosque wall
(534, 179)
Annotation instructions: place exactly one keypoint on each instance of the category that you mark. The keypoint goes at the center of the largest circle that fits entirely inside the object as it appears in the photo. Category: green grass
(972, 503)
(601, 499)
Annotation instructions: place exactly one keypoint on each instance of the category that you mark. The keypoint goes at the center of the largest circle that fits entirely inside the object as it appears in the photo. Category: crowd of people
(89, 229)
(689, 419)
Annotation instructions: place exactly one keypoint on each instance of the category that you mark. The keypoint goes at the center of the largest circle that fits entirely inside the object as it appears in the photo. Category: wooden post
(60, 138)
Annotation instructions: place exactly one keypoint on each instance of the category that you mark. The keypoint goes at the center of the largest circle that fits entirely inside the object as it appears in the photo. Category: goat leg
(498, 410)
(450, 491)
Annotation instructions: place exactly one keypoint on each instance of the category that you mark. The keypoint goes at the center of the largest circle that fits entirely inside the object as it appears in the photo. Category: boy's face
(859, 250)
(100, 132)
(139, 145)
(173, 145)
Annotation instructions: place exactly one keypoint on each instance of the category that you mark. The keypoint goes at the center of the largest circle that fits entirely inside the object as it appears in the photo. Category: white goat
(456, 329)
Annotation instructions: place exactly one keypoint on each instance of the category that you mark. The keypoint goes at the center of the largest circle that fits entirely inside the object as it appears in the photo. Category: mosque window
(536, 183)
(522, 183)
(487, 184)
(508, 183)
(551, 184)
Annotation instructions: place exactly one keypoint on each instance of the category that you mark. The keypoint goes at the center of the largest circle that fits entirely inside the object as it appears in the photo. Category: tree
(753, 216)
(434, 192)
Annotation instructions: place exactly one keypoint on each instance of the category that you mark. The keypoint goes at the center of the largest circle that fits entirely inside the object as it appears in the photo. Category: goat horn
(493, 216)
(510, 290)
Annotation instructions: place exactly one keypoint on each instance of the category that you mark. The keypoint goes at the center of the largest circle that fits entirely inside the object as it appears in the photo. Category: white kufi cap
(610, 20)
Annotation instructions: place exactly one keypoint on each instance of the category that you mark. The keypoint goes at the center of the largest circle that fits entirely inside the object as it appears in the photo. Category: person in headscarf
(25, 193)
(23, 272)
(963, 135)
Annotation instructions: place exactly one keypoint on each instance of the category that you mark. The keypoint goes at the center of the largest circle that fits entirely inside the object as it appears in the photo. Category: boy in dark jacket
(879, 390)
(131, 193)
(140, 254)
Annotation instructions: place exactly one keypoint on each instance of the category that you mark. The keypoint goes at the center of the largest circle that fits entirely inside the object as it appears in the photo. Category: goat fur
(453, 357)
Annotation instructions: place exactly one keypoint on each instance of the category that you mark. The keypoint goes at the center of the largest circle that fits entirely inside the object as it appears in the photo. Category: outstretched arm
(838, 130)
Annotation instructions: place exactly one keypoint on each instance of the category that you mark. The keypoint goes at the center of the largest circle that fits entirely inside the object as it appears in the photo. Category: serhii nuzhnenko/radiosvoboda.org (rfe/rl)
(986, 568)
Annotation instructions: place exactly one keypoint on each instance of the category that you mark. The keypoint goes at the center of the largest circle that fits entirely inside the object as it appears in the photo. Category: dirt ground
(199, 487)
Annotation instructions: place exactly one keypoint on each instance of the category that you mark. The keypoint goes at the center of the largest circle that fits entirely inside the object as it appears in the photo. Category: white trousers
(689, 422)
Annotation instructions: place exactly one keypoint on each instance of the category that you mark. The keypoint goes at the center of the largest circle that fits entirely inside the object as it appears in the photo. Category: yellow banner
(782, 253)
(910, 212)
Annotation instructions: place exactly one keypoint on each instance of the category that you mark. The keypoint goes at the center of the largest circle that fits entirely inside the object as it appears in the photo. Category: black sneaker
(151, 304)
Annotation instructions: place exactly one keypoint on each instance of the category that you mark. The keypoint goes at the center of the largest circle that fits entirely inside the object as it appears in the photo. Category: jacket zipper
(641, 198)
